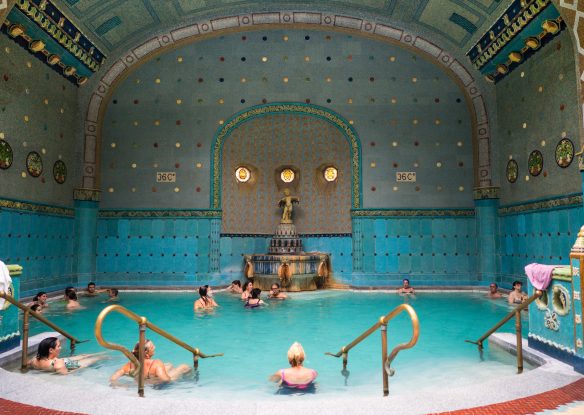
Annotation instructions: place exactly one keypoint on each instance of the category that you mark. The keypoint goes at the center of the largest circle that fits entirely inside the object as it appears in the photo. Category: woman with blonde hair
(296, 376)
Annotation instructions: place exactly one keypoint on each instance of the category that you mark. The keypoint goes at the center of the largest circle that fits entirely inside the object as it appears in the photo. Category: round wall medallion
(287, 175)
(512, 171)
(535, 163)
(561, 302)
(330, 174)
(6, 155)
(60, 171)
(564, 152)
(34, 164)
(242, 174)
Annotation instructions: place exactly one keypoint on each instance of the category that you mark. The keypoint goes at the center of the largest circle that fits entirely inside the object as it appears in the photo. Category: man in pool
(493, 291)
(275, 293)
(92, 291)
(406, 288)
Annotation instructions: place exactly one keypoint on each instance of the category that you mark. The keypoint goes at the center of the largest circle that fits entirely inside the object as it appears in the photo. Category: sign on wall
(405, 176)
(165, 177)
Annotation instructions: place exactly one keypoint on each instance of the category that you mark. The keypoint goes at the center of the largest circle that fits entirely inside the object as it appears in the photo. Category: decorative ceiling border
(41, 28)
(285, 108)
(153, 214)
(376, 213)
(203, 29)
(559, 202)
(502, 48)
(36, 208)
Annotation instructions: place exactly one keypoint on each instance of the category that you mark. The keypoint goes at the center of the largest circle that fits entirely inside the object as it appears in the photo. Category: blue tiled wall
(42, 244)
(544, 236)
(427, 250)
(165, 251)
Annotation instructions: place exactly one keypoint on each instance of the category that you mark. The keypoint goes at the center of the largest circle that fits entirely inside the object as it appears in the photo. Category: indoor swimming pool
(255, 341)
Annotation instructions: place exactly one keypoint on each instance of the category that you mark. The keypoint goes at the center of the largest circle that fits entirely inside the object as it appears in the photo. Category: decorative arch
(286, 108)
(207, 28)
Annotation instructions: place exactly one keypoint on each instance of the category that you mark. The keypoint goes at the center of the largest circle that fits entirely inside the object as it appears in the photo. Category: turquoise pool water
(255, 341)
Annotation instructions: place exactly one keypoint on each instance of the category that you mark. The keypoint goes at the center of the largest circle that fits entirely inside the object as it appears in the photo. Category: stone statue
(286, 202)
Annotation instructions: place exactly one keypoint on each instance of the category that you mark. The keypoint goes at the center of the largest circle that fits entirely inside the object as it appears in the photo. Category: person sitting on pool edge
(275, 293)
(247, 290)
(154, 369)
(254, 301)
(494, 291)
(235, 287)
(517, 296)
(406, 288)
(296, 376)
(205, 302)
(47, 358)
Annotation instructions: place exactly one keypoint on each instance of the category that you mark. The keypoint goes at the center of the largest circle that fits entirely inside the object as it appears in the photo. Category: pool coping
(550, 375)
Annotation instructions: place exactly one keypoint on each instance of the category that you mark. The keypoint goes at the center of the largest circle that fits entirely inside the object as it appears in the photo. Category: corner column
(487, 231)
(86, 210)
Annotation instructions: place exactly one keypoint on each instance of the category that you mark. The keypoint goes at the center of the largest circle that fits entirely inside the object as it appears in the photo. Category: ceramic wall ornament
(34, 164)
(6, 155)
(60, 171)
(564, 152)
(512, 171)
(551, 321)
(535, 163)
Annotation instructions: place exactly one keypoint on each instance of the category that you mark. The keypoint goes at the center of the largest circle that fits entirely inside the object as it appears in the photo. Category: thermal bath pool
(255, 341)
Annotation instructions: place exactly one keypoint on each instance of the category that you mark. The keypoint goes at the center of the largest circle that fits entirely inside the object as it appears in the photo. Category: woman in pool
(72, 301)
(154, 369)
(296, 376)
(254, 301)
(205, 302)
(247, 291)
(47, 358)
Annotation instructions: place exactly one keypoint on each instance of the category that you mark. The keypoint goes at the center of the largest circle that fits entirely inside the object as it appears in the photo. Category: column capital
(86, 194)
(491, 192)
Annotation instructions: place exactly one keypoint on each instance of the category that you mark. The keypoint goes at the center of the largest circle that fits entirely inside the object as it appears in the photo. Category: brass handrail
(386, 359)
(517, 313)
(143, 323)
(29, 312)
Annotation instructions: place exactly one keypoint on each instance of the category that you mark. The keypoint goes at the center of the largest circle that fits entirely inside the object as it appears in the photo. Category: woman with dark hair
(47, 358)
(41, 300)
(205, 302)
(154, 369)
(72, 301)
(254, 301)
(248, 286)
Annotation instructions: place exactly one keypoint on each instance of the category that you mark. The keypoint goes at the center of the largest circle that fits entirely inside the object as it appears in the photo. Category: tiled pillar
(357, 226)
(215, 246)
(86, 210)
(487, 231)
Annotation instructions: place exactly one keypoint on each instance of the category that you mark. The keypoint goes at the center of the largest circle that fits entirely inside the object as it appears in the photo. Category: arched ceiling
(118, 24)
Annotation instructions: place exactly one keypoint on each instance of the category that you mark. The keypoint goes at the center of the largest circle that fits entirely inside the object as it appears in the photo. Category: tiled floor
(562, 401)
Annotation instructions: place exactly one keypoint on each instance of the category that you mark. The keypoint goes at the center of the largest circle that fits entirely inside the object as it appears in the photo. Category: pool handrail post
(384, 376)
(519, 341)
(27, 312)
(141, 351)
(383, 321)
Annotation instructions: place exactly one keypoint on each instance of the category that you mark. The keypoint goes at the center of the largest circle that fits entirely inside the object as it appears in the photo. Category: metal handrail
(25, 325)
(385, 358)
(143, 323)
(517, 313)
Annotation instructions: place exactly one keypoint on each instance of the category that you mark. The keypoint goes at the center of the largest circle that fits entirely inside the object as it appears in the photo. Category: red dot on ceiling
(136, 101)
(154, 189)
(545, 174)
(155, 145)
(61, 135)
(200, 80)
(198, 189)
(373, 189)
(42, 180)
(372, 144)
(436, 100)
(5, 77)
(244, 38)
(395, 165)
(177, 165)
(178, 122)
(562, 106)
(199, 145)
(416, 143)
(222, 59)
(264, 101)
(307, 100)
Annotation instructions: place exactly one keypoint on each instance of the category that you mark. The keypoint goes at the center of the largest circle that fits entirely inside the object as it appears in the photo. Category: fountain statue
(286, 263)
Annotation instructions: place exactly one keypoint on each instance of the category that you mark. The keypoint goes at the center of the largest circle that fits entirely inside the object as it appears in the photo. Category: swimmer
(275, 293)
(247, 291)
(406, 288)
(154, 370)
(517, 296)
(254, 301)
(205, 302)
(494, 291)
(47, 358)
(296, 376)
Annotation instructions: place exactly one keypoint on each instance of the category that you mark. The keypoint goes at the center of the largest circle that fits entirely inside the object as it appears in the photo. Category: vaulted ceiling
(118, 24)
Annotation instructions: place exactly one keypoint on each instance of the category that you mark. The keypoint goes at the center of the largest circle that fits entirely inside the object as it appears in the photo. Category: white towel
(5, 281)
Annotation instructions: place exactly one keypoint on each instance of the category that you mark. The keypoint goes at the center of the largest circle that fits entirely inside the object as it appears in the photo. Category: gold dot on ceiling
(157, 122)
(540, 88)
(542, 143)
(179, 59)
(62, 110)
(437, 122)
(307, 59)
(439, 188)
(394, 144)
(561, 76)
(459, 144)
(221, 101)
(414, 121)
(350, 101)
(23, 175)
(395, 188)
(24, 144)
(133, 190)
(526, 178)
(564, 134)
(439, 164)
(134, 165)
(285, 38)
(461, 188)
(26, 118)
(137, 81)
(416, 164)
(155, 165)
(179, 101)
(392, 58)
(524, 125)
(44, 150)
(414, 79)
(7, 49)
(113, 145)
(351, 122)
(522, 74)
(111, 190)
(221, 122)
(199, 165)
(157, 80)
(46, 101)
(285, 79)
(177, 145)
(264, 58)
(243, 80)
(373, 165)
(135, 123)
(177, 189)
(328, 79)
(29, 64)
(1, 136)
(393, 100)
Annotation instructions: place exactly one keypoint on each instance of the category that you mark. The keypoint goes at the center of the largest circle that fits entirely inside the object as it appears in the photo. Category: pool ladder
(517, 313)
(143, 323)
(386, 360)
(25, 326)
